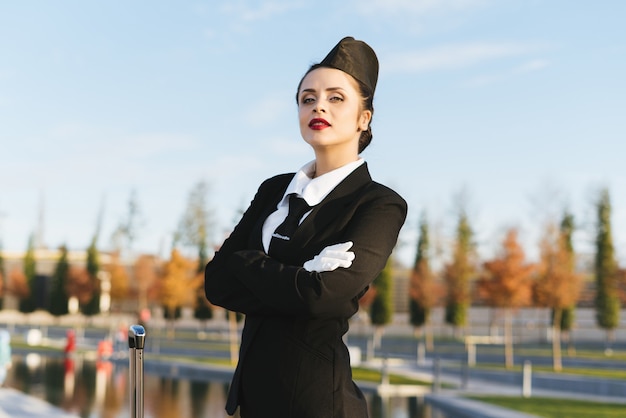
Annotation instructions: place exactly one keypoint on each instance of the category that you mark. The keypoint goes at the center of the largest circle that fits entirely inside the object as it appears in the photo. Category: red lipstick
(318, 124)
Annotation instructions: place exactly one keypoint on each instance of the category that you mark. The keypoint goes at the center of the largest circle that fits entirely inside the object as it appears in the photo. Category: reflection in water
(100, 390)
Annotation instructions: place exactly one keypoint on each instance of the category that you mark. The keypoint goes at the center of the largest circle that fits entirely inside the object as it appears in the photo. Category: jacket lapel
(332, 206)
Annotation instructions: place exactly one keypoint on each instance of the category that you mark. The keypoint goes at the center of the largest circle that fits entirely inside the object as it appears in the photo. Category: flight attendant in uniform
(306, 250)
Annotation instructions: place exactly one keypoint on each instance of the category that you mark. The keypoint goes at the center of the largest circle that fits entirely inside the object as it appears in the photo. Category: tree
(119, 279)
(606, 270)
(18, 284)
(458, 274)
(381, 310)
(3, 278)
(145, 273)
(196, 223)
(194, 231)
(128, 228)
(58, 294)
(175, 285)
(203, 310)
(79, 285)
(557, 285)
(422, 293)
(92, 306)
(27, 302)
(507, 283)
(568, 312)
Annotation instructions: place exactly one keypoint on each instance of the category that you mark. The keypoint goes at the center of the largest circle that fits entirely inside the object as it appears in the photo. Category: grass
(358, 373)
(557, 408)
(603, 373)
(371, 375)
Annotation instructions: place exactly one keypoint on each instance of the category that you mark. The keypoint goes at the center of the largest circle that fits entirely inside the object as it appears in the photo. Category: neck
(327, 162)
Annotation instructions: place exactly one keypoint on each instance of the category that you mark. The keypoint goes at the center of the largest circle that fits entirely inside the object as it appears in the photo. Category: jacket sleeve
(220, 286)
(373, 229)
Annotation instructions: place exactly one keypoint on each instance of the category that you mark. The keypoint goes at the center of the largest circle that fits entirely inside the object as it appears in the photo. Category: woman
(306, 250)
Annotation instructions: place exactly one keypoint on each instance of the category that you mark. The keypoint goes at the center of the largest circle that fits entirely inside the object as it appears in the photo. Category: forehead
(323, 78)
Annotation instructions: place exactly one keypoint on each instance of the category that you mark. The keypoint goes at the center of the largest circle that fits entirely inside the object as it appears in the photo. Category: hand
(331, 258)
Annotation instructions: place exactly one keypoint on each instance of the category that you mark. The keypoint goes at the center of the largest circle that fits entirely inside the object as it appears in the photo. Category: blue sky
(517, 105)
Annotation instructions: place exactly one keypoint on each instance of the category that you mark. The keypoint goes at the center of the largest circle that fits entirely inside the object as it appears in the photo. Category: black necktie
(280, 238)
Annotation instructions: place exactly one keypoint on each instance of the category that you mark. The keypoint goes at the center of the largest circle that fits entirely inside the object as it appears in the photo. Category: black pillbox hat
(355, 58)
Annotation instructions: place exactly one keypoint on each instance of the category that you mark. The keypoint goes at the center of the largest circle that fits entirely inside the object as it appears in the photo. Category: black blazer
(292, 361)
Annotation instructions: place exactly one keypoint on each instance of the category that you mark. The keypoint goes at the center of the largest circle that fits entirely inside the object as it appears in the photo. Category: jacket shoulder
(379, 190)
(276, 182)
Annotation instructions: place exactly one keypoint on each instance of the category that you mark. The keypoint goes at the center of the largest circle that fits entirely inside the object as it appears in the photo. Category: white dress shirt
(312, 190)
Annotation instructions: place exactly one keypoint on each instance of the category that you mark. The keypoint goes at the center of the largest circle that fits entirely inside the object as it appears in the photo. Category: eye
(307, 99)
(336, 98)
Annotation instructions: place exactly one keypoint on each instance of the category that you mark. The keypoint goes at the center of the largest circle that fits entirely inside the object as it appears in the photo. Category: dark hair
(367, 102)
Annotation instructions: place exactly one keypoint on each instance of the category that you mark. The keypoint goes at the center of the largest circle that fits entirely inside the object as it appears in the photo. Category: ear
(365, 119)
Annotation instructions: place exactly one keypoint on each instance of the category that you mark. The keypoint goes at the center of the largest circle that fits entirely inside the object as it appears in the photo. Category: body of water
(100, 389)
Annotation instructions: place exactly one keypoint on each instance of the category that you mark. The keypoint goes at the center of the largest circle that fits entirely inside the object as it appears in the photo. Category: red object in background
(144, 315)
(105, 350)
(70, 346)
(68, 365)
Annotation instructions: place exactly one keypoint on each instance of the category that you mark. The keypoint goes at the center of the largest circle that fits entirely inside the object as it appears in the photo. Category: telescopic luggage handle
(136, 342)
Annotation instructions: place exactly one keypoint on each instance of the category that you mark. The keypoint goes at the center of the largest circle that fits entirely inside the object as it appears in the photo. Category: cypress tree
(421, 287)
(458, 274)
(607, 300)
(202, 309)
(92, 307)
(567, 231)
(421, 278)
(27, 304)
(3, 278)
(381, 311)
(58, 294)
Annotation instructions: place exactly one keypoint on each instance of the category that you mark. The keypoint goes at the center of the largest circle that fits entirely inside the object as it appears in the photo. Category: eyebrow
(328, 89)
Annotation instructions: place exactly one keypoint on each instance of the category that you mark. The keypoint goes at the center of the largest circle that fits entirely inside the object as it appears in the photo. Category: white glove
(331, 258)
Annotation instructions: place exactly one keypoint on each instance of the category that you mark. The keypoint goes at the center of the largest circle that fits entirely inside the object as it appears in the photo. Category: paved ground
(15, 404)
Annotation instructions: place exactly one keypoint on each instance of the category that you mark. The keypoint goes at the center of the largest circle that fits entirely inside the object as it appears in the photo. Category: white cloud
(451, 57)
(534, 65)
(416, 7)
(527, 67)
(84, 141)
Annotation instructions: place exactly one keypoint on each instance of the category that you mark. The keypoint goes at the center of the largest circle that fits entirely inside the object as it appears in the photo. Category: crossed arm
(251, 282)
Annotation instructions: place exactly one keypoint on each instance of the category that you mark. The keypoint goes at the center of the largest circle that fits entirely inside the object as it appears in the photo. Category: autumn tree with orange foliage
(145, 273)
(176, 285)
(119, 280)
(17, 283)
(558, 285)
(507, 283)
(80, 285)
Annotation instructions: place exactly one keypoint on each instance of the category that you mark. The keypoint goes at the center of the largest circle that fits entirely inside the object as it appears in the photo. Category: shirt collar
(314, 190)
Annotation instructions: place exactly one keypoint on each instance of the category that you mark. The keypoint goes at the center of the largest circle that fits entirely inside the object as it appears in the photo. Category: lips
(318, 124)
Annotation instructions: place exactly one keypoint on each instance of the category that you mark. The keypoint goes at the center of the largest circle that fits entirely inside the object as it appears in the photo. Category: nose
(319, 108)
